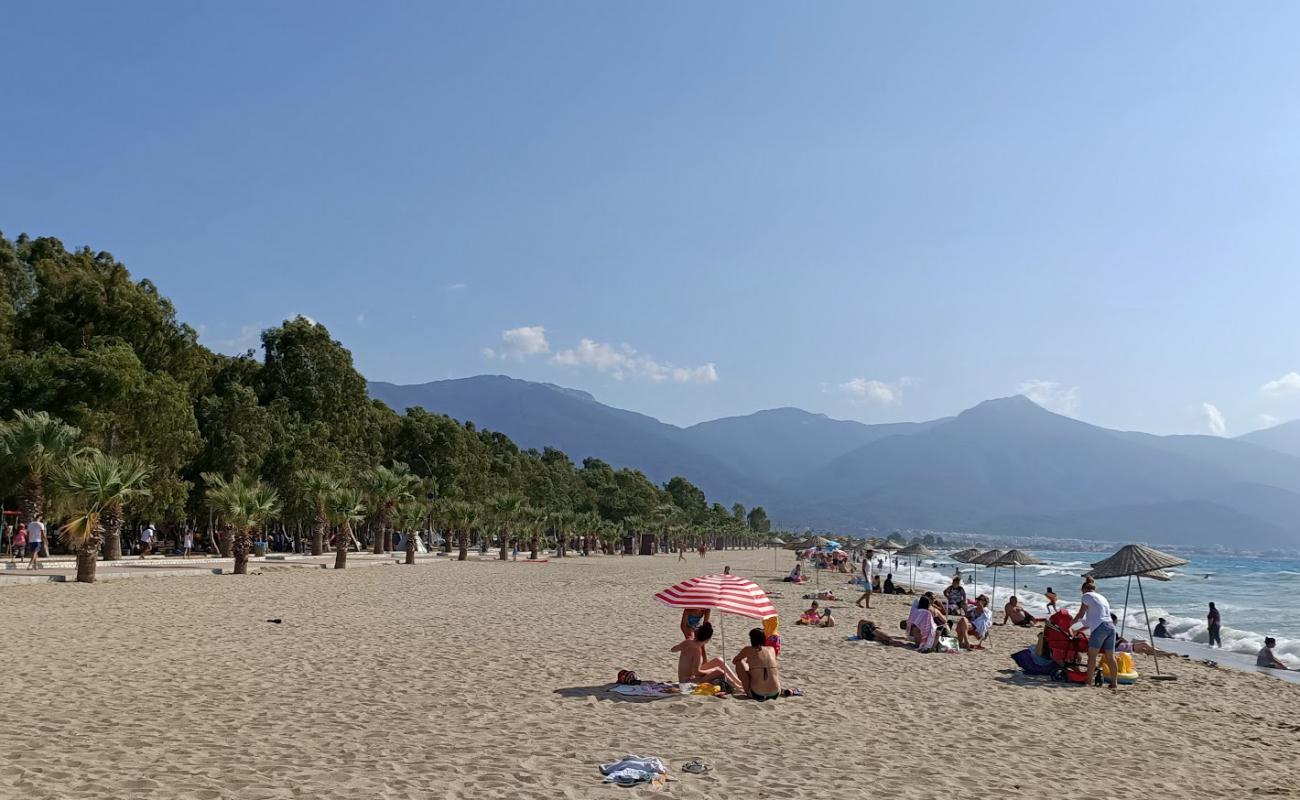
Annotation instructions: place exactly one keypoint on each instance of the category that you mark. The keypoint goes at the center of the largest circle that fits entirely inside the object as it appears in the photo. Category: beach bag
(627, 677)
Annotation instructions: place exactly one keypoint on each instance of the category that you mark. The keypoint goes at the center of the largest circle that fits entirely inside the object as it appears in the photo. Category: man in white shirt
(868, 565)
(146, 540)
(975, 627)
(1094, 610)
(35, 537)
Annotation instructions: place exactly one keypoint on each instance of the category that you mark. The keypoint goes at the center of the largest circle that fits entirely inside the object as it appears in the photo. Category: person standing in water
(1212, 621)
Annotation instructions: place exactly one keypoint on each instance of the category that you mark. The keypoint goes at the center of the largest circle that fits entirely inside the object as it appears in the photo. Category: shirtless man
(756, 667)
(694, 664)
(1013, 613)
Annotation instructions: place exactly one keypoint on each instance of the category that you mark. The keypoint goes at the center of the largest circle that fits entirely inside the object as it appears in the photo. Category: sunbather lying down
(871, 632)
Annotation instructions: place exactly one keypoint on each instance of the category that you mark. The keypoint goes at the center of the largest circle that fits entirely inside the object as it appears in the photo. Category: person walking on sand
(35, 537)
(868, 568)
(146, 539)
(20, 542)
(1094, 610)
(681, 552)
(187, 543)
(1212, 622)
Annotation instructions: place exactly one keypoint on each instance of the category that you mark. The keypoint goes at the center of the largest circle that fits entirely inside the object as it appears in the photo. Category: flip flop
(696, 767)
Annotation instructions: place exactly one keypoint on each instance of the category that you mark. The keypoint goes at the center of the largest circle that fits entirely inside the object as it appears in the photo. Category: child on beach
(1051, 600)
(694, 664)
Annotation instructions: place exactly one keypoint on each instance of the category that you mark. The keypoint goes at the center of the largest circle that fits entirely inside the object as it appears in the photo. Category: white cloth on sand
(634, 763)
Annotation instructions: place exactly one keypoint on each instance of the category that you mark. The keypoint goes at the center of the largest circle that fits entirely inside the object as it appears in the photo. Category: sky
(879, 211)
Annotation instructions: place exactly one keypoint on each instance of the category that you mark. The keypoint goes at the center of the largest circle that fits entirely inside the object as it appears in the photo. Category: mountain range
(1005, 466)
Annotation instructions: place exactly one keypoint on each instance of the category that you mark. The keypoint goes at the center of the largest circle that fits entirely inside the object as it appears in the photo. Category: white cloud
(1268, 420)
(625, 362)
(247, 339)
(1214, 422)
(1287, 384)
(456, 287)
(1051, 395)
(520, 343)
(361, 318)
(873, 392)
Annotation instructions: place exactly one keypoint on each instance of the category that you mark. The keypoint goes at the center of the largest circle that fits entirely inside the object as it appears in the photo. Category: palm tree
(631, 526)
(315, 487)
(242, 503)
(561, 523)
(589, 523)
(536, 523)
(344, 508)
(384, 488)
(39, 443)
(611, 535)
(505, 509)
(410, 515)
(460, 517)
(91, 492)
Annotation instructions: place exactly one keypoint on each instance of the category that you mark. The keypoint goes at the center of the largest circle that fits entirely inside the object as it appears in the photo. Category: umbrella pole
(1124, 619)
(993, 597)
(977, 579)
(1147, 617)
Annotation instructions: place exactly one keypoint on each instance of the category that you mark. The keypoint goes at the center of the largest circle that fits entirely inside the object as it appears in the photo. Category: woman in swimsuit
(756, 667)
(692, 619)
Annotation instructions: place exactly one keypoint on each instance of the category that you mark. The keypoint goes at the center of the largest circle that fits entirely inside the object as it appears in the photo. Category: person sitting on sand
(1162, 630)
(956, 596)
(796, 575)
(827, 620)
(756, 667)
(1015, 614)
(869, 631)
(692, 619)
(694, 664)
(1265, 657)
(973, 629)
(813, 616)
(890, 588)
(921, 627)
(936, 611)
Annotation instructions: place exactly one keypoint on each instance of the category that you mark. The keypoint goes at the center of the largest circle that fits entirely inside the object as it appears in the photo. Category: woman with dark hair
(756, 667)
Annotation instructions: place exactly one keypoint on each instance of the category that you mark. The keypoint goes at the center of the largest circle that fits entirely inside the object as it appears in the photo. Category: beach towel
(649, 690)
(631, 770)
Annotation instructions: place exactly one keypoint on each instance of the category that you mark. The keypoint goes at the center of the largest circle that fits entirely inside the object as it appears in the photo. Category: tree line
(114, 414)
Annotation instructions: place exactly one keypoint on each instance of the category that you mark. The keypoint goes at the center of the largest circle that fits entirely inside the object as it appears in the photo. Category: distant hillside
(539, 415)
(1004, 466)
(1010, 466)
(1284, 438)
(785, 443)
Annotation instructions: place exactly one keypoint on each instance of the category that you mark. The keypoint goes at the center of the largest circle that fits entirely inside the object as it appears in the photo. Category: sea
(1253, 596)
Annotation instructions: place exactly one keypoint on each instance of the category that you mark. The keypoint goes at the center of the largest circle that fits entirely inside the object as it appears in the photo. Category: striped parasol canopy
(730, 594)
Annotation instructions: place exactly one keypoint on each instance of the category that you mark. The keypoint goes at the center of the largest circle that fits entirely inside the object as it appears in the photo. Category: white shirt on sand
(1098, 610)
(35, 531)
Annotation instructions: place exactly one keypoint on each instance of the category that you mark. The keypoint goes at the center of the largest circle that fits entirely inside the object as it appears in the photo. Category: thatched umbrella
(964, 557)
(1015, 558)
(889, 546)
(777, 543)
(985, 559)
(915, 551)
(1138, 560)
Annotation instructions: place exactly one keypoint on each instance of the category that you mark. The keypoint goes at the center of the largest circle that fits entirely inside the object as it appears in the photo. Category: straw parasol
(984, 559)
(1015, 558)
(776, 543)
(915, 551)
(1138, 560)
(889, 546)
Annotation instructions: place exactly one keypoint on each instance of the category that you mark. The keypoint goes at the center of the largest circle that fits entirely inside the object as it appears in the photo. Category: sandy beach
(487, 680)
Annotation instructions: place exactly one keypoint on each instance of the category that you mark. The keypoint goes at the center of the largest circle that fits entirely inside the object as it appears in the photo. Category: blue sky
(878, 211)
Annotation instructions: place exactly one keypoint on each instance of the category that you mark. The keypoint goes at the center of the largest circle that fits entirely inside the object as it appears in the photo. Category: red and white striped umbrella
(729, 594)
